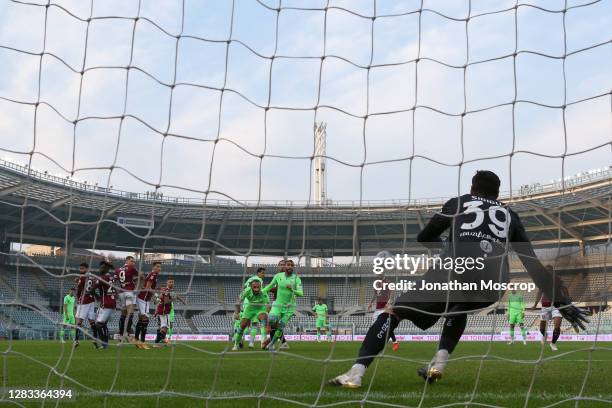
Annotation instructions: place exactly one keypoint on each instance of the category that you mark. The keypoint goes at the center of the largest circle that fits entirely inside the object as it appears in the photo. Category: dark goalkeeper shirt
(481, 227)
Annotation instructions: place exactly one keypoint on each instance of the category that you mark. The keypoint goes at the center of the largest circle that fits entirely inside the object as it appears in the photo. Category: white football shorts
(103, 315)
(549, 313)
(377, 313)
(127, 299)
(86, 312)
(163, 321)
(143, 307)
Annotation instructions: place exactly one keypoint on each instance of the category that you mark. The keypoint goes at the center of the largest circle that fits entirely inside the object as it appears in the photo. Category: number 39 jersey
(479, 219)
(479, 228)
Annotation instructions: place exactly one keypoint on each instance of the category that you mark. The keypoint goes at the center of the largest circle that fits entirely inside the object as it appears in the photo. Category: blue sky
(385, 142)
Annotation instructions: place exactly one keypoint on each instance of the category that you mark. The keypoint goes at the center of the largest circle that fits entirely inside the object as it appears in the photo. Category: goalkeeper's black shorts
(426, 314)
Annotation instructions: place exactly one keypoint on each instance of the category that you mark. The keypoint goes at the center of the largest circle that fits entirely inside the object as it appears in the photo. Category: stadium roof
(49, 210)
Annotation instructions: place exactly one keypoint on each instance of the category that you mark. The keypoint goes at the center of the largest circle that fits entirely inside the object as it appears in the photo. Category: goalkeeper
(69, 320)
(288, 285)
(481, 227)
(320, 312)
(516, 315)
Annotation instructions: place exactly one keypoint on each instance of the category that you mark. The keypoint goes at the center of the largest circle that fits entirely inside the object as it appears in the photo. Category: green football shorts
(282, 313)
(252, 312)
(516, 317)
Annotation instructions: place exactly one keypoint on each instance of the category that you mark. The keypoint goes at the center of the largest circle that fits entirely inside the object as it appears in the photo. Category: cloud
(386, 143)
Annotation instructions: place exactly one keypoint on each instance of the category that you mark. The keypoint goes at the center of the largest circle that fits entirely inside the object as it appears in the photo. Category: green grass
(189, 373)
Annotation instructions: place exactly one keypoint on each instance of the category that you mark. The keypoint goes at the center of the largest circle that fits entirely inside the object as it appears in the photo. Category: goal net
(217, 137)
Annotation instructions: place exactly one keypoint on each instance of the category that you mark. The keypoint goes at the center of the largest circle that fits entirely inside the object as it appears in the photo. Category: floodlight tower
(319, 175)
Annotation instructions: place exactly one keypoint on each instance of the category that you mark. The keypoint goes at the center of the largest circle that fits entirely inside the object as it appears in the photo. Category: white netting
(215, 102)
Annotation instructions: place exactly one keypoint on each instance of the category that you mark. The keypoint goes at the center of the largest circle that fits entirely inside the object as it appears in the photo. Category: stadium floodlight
(319, 176)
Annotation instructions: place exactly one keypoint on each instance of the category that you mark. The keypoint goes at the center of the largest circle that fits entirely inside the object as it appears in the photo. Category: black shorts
(426, 314)
(425, 307)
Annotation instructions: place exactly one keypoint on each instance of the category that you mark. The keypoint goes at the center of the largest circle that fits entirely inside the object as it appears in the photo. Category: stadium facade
(41, 209)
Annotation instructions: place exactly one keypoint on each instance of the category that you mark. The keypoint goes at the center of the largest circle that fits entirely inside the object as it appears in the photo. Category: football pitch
(202, 374)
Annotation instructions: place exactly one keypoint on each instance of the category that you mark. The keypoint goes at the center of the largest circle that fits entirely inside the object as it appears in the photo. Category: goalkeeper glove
(576, 316)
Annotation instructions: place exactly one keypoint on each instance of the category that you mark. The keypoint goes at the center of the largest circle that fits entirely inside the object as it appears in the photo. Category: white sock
(358, 370)
(440, 359)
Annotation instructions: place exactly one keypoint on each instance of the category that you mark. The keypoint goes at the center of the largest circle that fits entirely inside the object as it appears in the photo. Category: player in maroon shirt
(550, 312)
(144, 297)
(106, 288)
(166, 297)
(381, 298)
(86, 305)
(128, 278)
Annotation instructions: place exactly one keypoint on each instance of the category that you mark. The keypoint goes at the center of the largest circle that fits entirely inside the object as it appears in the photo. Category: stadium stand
(569, 228)
(210, 300)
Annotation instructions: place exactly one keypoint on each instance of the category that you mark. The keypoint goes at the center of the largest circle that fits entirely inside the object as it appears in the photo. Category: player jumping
(127, 276)
(144, 297)
(288, 285)
(480, 225)
(86, 305)
(256, 308)
(516, 315)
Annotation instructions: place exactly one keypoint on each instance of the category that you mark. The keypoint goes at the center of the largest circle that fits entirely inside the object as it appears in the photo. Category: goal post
(225, 135)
